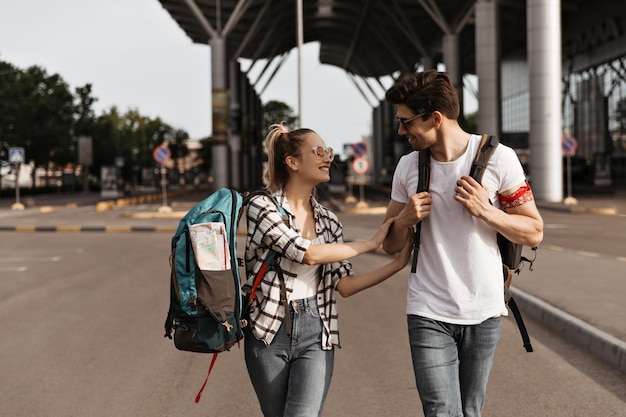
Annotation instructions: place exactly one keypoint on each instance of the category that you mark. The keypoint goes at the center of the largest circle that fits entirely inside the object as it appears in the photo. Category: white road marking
(13, 268)
(23, 259)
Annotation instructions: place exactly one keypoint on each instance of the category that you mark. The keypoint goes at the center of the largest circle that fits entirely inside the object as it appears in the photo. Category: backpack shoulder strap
(487, 146)
(424, 170)
(423, 184)
(264, 191)
(271, 260)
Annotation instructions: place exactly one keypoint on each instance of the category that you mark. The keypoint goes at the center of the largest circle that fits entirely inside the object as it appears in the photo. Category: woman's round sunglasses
(321, 151)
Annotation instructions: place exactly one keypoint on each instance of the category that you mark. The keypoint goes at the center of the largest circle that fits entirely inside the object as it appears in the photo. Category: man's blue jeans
(291, 377)
(452, 364)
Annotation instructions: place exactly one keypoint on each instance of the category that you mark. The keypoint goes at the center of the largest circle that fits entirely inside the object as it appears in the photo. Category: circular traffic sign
(360, 165)
(569, 145)
(162, 154)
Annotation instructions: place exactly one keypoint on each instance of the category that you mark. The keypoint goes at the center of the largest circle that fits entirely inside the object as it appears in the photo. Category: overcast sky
(136, 56)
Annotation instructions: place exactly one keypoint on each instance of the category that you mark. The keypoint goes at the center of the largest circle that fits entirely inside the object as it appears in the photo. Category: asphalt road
(82, 335)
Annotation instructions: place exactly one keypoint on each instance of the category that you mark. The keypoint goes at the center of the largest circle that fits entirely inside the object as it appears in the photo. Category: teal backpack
(207, 308)
(205, 305)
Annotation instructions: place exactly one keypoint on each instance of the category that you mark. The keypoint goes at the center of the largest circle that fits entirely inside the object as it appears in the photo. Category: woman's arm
(352, 284)
(335, 252)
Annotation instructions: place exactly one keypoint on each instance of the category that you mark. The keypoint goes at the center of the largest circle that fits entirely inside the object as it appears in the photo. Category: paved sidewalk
(557, 294)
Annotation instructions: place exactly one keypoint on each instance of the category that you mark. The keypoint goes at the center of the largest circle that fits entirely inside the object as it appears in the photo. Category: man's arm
(524, 224)
(407, 215)
(520, 223)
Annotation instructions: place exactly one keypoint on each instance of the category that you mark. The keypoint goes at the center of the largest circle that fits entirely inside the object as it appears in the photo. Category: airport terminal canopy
(367, 38)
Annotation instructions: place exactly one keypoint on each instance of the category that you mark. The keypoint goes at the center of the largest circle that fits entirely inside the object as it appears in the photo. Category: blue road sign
(569, 145)
(359, 149)
(16, 155)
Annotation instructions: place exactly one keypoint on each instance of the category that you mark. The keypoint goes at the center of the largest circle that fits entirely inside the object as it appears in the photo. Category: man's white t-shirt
(458, 278)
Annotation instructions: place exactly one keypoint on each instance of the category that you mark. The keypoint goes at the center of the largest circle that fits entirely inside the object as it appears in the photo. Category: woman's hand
(351, 284)
(381, 233)
(403, 256)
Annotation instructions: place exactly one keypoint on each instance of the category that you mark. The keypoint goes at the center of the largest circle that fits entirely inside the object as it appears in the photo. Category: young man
(455, 297)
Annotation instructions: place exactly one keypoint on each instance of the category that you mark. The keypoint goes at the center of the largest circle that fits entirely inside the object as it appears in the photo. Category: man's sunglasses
(407, 122)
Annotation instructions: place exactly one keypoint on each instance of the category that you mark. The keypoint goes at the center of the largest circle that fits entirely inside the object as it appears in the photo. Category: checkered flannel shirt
(268, 230)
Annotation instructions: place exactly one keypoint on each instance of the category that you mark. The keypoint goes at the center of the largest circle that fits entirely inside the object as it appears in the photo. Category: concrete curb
(79, 229)
(105, 205)
(606, 347)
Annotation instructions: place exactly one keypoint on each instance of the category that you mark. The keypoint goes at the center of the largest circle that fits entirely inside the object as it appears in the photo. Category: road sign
(16, 155)
(360, 165)
(359, 149)
(162, 154)
(569, 145)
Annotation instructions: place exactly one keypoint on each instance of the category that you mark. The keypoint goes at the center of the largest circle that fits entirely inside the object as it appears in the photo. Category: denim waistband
(304, 303)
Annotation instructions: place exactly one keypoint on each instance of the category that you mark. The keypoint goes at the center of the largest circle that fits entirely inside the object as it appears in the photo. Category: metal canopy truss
(372, 39)
(367, 38)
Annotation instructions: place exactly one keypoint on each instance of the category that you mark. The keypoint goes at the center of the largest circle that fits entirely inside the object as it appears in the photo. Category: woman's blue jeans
(452, 364)
(291, 376)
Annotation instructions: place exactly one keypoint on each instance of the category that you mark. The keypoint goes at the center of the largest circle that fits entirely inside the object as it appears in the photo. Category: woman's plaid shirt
(268, 230)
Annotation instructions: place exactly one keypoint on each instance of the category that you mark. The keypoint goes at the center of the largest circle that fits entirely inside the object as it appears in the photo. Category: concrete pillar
(234, 125)
(377, 149)
(428, 63)
(219, 74)
(245, 109)
(544, 64)
(451, 57)
(488, 67)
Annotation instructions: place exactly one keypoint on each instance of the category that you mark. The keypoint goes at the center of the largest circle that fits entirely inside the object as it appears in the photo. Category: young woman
(289, 344)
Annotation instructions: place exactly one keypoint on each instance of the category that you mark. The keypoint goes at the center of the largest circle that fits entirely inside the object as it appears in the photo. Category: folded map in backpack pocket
(210, 246)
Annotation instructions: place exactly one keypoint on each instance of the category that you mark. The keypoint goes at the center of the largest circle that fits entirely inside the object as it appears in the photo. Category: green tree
(85, 117)
(133, 137)
(9, 104)
(37, 114)
(276, 112)
(471, 122)
(44, 124)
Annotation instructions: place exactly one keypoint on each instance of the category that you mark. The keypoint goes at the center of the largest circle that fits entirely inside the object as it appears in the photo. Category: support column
(220, 113)
(245, 111)
(451, 57)
(544, 63)
(428, 63)
(488, 67)
(234, 127)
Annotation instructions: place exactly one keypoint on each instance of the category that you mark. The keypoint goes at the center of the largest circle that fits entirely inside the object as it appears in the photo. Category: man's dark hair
(425, 92)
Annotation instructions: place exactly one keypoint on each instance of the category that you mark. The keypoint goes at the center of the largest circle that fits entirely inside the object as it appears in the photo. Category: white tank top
(307, 279)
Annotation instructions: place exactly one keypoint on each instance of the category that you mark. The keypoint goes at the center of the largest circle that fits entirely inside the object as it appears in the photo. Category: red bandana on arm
(522, 196)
